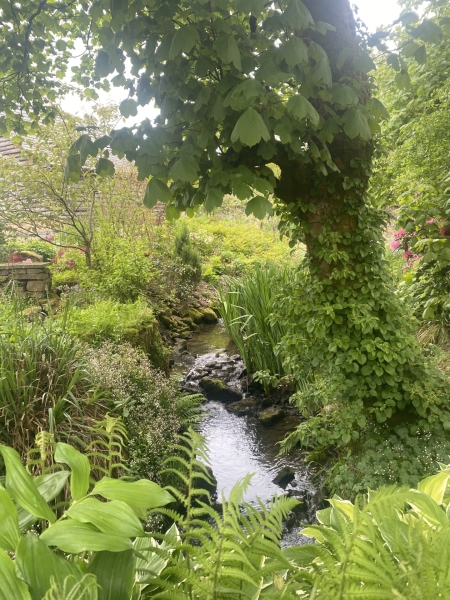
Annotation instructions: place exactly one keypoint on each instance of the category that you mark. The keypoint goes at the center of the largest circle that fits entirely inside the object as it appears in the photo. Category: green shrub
(188, 255)
(386, 457)
(152, 406)
(246, 308)
(47, 250)
(108, 320)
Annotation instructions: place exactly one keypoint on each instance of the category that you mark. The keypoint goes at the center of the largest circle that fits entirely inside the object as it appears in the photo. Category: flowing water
(239, 445)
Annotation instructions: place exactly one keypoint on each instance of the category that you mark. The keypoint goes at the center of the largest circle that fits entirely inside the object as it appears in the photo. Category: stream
(240, 444)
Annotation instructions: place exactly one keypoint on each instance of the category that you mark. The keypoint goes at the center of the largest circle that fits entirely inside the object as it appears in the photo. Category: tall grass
(43, 383)
(245, 307)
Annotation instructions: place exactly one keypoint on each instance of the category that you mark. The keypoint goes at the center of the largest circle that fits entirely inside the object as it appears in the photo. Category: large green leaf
(105, 167)
(113, 518)
(84, 587)
(38, 565)
(321, 72)
(259, 206)
(155, 191)
(355, 124)
(428, 509)
(185, 169)
(140, 495)
(183, 41)
(151, 557)
(301, 108)
(214, 199)
(21, 487)
(11, 587)
(295, 52)
(9, 522)
(73, 168)
(74, 537)
(297, 15)
(343, 95)
(80, 467)
(128, 108)
(115, 574)
(228, 51)
(250, 128)
(49, 486)
(435, 486)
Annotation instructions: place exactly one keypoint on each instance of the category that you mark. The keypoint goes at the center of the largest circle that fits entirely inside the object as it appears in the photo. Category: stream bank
(243, 427)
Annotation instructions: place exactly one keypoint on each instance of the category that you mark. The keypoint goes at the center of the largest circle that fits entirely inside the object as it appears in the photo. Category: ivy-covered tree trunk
(349, 335)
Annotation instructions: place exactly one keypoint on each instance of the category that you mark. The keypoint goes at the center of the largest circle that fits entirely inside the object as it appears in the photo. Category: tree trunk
(347, 329)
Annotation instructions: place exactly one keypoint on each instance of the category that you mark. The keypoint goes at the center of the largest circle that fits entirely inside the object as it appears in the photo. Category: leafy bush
(152, 406)
(188, 255)
(108, 320)
(122, 269)
(45, 249)
(246, 307)
(386, 457)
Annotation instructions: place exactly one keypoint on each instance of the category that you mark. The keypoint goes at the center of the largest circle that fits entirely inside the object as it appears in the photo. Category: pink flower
(395, 245)
(50, 238)
(60, 253)
(406, 255)
(54, 260)
(430, 222)
(28, 260)
(400, 233)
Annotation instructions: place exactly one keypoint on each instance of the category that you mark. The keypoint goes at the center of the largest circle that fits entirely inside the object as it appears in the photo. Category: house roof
(7, 148)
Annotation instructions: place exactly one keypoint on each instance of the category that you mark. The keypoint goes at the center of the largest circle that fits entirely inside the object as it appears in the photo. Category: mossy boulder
(149, 339)
(216, 389)
(189, 322)
(243, 407)
(168, 321)
(271, 415)
(208, 315)
(193, 314)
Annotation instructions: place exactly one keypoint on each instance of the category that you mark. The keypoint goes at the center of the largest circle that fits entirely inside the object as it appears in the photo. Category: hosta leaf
(435, 486)
(183, 41)
(259, 206)
(38, 565)
(297, 15)
(114, 518)
(21, 487)
(156, 191)
(428, 509)
(74, 537)
(250, 128)
(9, 522)
(115, 574)
(79, 466)
(11, 588)
(355, 124)
(49, 486)
(140, 495)
(185, 169)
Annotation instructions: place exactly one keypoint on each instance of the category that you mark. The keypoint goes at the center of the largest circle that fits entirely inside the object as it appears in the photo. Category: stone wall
(32, 279)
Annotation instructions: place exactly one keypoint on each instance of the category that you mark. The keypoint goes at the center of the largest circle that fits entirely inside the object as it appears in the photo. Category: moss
(149, 339)
(208, 315)
(270, 415)
(194, 314)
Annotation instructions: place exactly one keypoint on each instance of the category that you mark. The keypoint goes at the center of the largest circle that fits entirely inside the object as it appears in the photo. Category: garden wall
(31, 279)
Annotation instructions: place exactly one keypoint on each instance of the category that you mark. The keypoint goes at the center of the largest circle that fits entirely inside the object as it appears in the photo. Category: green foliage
(188, 255)
(42, 380)
(349, 337)
(245, 307)
(99, 535)
(153, 409)
(45, 249)
(387, 457)
(122, 269)
(392, 544)
(108, 320)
